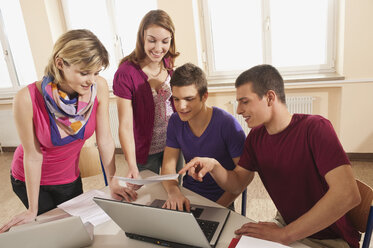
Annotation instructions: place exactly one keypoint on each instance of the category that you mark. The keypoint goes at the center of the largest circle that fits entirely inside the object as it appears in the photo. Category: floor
(259, 206)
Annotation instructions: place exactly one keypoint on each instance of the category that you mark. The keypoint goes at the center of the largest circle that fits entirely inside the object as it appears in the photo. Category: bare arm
(342, 195)
(32, 158)
(234, 181)
(227, 198)
(105, 142)
(176, 200)
(126, 136)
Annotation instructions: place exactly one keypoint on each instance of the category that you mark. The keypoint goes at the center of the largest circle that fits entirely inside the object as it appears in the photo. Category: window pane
(299, 32)
(128, 17)
(18, 41)
(93, 15)
(236, 33)
(4, 75)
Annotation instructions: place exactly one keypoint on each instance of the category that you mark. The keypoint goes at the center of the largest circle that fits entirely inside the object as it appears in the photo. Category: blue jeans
(49, 195)
(154, 163)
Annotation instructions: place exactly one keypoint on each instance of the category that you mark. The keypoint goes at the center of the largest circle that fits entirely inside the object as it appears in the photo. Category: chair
(243, 203)
(103, 171)
(90, 163)
(361, 217)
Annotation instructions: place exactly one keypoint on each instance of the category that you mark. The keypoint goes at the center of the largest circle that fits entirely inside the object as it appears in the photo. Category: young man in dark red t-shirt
(300, 161)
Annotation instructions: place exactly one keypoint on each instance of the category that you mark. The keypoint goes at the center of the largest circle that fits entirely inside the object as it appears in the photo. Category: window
(16, 66)
(115, 22)
(5, 81)
(296, 36)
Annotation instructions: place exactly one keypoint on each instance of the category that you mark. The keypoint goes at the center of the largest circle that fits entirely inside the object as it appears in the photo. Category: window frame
(12, 60)
(110, 12)
(221, 77)
(116, 43)
(7, 52)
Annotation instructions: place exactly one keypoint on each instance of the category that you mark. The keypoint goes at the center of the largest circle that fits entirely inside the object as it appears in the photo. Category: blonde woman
(54, 117)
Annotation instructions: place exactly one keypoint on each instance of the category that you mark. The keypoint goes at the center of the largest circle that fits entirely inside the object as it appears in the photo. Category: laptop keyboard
(208, 227)
(196, 212)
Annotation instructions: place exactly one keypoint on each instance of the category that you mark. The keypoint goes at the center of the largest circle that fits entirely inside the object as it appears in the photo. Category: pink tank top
(60, 163)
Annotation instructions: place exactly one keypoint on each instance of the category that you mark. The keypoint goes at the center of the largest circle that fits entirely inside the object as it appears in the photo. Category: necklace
(161, 68)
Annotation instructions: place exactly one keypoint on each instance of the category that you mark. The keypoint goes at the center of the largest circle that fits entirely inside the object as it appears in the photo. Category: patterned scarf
(68, 117)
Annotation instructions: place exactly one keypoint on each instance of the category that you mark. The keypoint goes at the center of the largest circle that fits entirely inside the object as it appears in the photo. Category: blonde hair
(159, 18)
(75, 47)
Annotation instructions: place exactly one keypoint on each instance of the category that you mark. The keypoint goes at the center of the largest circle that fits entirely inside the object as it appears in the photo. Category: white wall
(347, 104)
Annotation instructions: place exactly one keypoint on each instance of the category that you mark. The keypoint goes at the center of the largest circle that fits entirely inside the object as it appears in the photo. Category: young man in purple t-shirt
(300, 161)
(199, 130)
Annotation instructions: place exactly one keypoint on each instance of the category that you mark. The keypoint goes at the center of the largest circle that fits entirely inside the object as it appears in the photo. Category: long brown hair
(161, 19)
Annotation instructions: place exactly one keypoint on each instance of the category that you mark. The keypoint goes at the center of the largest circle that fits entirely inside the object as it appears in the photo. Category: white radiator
(295, 104)
(8, 131)
(299, 104)
(114, 123)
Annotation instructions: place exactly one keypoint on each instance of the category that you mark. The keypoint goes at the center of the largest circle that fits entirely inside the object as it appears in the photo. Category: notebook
(167, 227)
(66, 232)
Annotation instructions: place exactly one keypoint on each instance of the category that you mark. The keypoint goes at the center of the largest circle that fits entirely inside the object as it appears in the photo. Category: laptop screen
(163, 226)
(49, 234)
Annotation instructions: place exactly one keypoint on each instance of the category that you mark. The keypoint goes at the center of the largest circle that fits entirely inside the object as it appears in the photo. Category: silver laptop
(167, 227)
(66, 232)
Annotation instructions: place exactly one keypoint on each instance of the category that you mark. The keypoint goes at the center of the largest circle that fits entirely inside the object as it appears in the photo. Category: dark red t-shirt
(292, 165)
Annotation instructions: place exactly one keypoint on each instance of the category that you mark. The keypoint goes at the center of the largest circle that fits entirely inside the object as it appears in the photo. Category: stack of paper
(84, 206)
(152, 179)
(246, 242)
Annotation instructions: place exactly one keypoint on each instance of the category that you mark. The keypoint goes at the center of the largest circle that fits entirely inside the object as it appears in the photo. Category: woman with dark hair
(144, 94)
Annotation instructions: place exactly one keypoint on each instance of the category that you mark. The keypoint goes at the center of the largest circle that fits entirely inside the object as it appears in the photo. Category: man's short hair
(190, 74)
(263, 78)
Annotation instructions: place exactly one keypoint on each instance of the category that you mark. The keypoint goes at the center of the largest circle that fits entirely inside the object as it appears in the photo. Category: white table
(110, 235)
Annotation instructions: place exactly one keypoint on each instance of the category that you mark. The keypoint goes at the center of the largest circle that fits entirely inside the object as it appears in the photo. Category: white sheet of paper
(246, 242)
(84, 206)
(152, 179)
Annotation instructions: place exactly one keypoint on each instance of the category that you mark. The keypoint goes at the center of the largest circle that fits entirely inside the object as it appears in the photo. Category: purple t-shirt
(223, 140)
(131, 83)
(292, 165)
